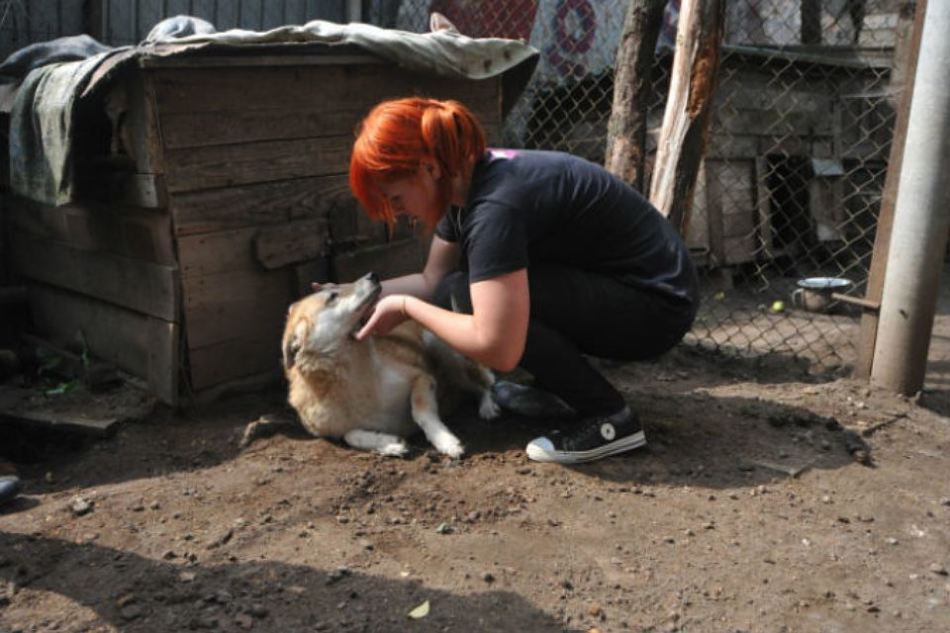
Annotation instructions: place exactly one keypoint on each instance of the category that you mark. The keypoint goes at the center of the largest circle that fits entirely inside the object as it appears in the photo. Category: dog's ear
(293, 343)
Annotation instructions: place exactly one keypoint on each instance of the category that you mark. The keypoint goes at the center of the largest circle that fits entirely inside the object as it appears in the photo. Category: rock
(244, 621)
(258, 611)
(80, 506)
(125, 600)
(938, 569)
(488, 577)
(130, 612)
(595, 610)
(336, 575)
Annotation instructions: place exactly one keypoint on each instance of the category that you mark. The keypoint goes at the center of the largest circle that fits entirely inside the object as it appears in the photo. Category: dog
(375, 392)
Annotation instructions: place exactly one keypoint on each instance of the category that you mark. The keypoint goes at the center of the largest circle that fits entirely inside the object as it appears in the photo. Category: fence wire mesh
(791, 184)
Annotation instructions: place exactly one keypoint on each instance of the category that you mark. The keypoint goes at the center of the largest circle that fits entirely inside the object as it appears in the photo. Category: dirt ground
(767, 500)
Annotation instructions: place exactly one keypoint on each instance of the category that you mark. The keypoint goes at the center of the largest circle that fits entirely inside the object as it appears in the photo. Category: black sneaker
(9, 488)
(594, 439)
(529, 401)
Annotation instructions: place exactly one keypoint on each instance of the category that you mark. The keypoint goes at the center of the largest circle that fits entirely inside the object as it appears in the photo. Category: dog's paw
(448, 444)
(488, 409)
(393, 449)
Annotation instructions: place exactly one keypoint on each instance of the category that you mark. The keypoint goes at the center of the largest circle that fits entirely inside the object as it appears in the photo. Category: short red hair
(397, 135)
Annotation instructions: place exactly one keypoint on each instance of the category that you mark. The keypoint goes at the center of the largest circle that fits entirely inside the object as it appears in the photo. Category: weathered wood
(144, 346)
(867, 334)
(291, 243)
(387, 260)
(132, 232)
(686, 120)
(627, 126)
(227, 306)
(149, 288)
(200, 129)
(714, 214)
(763, 204)
(229, 165)
(307, 88)
(259, 204)
(231, 360)
(222, 252)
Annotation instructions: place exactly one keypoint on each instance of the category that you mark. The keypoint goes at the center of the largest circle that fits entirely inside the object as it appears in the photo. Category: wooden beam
(689, 105)
(627, 127)
(216, 210)
(152, 289)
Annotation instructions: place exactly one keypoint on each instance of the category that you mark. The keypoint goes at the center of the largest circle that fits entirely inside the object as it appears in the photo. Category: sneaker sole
(620, 446)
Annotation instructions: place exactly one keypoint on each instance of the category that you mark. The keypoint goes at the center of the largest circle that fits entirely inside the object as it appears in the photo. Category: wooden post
(627, 128)
(867, 335)
(686, 120)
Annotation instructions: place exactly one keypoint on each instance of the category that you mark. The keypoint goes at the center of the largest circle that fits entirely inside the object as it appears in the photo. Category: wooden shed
(214, 191)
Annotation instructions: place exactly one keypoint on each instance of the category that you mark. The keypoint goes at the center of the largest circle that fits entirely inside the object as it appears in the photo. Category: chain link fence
(791, 185)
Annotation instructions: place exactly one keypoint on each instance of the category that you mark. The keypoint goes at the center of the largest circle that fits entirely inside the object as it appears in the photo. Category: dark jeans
(575, 313)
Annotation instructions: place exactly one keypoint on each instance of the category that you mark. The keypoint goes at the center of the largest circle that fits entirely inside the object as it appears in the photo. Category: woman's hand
(389, 312)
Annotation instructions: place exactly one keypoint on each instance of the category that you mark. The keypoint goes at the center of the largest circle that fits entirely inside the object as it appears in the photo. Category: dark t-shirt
(532, 207)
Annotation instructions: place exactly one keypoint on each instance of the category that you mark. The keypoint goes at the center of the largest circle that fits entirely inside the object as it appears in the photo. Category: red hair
(398, 135)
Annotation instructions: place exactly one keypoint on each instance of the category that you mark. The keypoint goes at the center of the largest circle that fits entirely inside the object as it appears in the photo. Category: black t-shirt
(529, 207)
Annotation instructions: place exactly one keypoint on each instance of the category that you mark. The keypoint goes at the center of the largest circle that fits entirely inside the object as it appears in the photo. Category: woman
(544, 257)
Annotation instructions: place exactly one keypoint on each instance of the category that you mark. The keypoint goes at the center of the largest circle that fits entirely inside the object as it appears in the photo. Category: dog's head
(322, 323)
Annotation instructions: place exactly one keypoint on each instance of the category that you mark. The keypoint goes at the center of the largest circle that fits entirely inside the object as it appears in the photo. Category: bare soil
(766, 500)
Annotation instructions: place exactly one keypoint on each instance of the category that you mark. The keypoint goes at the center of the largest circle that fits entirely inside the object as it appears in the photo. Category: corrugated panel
(129, 21)
(23, 23)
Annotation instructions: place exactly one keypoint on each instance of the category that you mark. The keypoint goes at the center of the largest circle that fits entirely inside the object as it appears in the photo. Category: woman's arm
(494, 335)
(442, 259)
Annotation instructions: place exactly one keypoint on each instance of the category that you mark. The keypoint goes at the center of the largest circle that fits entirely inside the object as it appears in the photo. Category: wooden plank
(246, 163)
(773, 122)
(739, 250)
(230, 305)
(143, 346)
(149, 288)
(221, 252)
(257, 204)
(200, 129)
(141, 121)
(230, 360)
(292, 243)
(714, 219)
(304, 88)
(763, 204)
(387, 260)
(128, 231)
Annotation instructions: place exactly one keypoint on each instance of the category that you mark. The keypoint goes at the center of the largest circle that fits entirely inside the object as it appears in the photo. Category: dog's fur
(371, 392)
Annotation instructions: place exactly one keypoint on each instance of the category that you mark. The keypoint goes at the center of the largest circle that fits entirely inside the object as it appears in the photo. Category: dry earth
(767, 500)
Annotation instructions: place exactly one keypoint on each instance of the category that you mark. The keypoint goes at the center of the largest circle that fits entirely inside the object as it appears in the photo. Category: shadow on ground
(136, 594)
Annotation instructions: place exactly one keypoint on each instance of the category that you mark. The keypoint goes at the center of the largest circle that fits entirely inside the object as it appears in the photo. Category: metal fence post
(921, 218)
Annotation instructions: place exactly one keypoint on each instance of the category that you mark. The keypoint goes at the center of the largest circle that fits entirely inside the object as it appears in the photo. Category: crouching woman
(538, 258)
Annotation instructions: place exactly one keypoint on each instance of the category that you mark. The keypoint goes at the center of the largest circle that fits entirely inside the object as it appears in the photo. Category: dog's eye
(332, 297)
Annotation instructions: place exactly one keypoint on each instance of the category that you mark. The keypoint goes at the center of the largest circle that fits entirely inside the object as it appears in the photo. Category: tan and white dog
(375, 392)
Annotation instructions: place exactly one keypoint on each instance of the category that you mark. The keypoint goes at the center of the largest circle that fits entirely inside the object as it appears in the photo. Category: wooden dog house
(218, 192)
